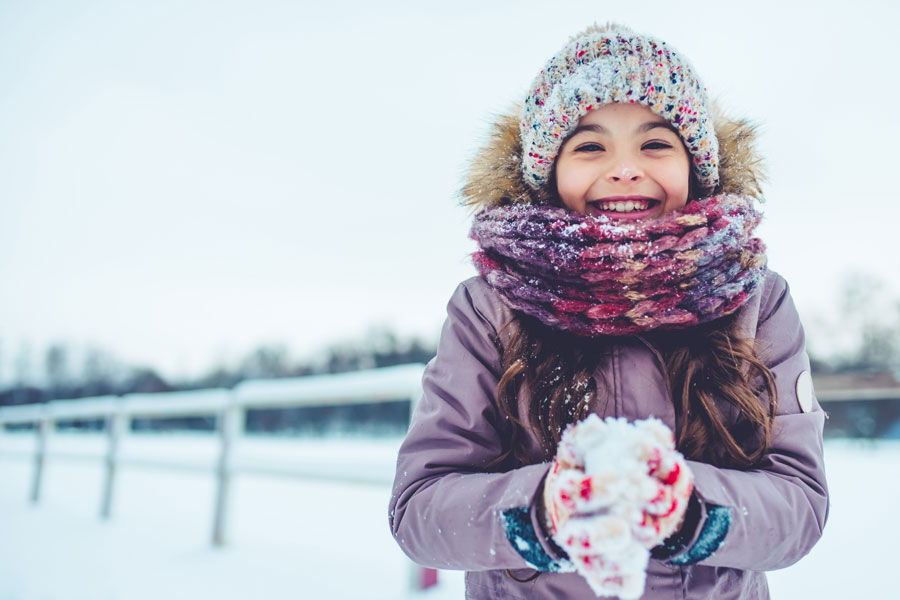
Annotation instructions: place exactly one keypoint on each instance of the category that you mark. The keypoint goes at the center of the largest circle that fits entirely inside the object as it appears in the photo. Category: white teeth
(629, 206)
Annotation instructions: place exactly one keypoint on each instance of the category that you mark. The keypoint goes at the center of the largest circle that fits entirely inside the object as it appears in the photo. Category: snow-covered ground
(315, 538)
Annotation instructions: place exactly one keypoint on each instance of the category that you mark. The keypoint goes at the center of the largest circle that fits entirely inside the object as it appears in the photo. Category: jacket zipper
(661, 361)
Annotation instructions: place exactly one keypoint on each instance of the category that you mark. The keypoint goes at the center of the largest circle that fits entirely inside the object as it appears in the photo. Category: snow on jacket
(447, 512)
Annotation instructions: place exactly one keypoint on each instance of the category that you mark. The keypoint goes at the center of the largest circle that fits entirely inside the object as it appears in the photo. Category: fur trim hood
(494, 176)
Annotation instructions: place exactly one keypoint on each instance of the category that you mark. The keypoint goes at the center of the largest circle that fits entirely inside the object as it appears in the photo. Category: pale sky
(181, 182)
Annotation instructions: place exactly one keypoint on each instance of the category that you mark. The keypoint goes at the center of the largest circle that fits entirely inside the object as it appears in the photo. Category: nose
(625, 172)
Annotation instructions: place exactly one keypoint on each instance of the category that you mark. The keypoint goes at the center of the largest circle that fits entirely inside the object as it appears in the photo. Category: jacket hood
(494, 176)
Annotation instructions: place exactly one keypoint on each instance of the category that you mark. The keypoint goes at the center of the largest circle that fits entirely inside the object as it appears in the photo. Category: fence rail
(229, 406)
(887, 394)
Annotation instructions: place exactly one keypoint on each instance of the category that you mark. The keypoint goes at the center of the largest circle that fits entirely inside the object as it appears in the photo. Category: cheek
(571, 185)
(675, 179)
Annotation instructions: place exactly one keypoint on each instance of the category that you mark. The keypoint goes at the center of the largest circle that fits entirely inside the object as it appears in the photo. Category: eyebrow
(596, 128)
(591, 128)
(654, 124)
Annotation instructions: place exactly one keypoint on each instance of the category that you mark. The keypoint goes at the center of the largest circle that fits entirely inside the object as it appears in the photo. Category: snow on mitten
(603, 552)
(568, 488)
(615, 489)
(662, 515)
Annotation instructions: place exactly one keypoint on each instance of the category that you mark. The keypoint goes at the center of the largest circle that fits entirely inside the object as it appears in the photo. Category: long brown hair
(723, 394)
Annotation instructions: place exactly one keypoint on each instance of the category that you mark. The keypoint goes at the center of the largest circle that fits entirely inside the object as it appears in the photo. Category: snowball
(624, 465)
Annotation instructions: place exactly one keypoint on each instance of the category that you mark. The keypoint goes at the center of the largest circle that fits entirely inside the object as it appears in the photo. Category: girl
(619, 277)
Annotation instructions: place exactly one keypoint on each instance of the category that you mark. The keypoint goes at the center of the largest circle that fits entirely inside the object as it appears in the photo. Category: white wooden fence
(229, 407)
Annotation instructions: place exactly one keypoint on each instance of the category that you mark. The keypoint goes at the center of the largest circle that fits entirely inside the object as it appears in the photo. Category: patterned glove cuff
(525, 538)
(703, 531)
(681, 539)
(527, 534)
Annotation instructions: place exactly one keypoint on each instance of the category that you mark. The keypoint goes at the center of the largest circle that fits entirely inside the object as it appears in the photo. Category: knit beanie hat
(615, 64)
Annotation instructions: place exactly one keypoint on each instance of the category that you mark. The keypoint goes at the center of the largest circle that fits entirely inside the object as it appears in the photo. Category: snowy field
(318, 538)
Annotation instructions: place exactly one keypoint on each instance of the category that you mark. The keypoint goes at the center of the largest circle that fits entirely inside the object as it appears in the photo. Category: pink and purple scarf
(595, 276)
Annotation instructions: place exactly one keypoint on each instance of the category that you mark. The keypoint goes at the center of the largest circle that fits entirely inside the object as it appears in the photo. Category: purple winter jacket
(445, 512)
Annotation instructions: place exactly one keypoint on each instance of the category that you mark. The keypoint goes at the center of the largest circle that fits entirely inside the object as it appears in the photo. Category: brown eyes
(595, 147)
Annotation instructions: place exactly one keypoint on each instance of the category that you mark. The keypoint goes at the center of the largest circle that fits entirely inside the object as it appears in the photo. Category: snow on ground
(314, 538)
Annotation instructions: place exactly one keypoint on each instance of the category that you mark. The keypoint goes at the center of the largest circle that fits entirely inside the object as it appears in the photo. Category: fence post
(231, 425)
(116, 425)
(42, 427)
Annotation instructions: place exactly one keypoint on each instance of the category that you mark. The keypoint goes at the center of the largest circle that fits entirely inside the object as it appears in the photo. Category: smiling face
(623, 161)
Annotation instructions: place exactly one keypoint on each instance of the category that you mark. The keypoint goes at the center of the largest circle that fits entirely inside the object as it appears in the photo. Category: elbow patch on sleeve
(715, 528)
(521, 534)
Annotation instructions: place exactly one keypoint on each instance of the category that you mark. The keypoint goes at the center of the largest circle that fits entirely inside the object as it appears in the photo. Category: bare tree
(872, 317)
(56, 370)
(99, 373)
(267, 361)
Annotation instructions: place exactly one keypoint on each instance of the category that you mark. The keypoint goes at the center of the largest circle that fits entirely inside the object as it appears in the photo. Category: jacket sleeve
(771, 516)
(446, 511)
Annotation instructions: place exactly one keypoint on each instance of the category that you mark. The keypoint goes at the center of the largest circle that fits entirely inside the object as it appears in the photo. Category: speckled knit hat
(614, 64)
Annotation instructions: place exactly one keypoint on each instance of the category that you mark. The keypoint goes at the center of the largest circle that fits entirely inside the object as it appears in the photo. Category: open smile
(631, 207)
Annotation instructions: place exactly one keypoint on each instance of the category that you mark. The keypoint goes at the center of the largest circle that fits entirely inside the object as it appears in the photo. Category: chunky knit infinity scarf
(596, 276)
